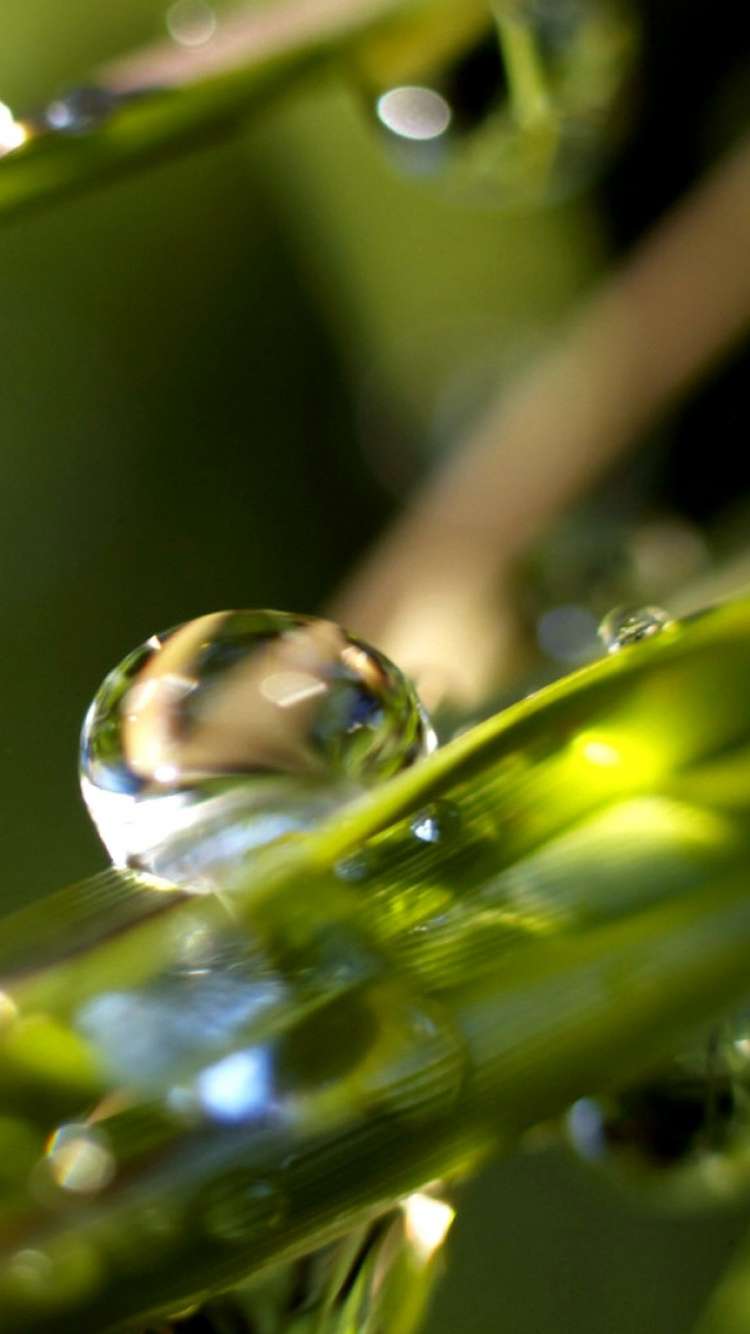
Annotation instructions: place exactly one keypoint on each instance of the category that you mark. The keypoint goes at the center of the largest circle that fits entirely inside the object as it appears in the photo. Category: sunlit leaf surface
(193, 1087)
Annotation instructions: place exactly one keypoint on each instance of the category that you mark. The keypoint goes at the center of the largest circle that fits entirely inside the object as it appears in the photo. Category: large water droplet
(624, 626)
(236, 728)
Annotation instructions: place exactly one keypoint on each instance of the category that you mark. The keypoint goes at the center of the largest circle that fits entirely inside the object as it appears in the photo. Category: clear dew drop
(80, 110)
(624, 626)
(237, 728)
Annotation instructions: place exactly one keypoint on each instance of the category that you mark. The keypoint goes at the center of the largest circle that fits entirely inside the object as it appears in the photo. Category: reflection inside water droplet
(435, 822)
(237, 728)
(238, 1088)
(624, 626)
(426, 828)
(153, 1035)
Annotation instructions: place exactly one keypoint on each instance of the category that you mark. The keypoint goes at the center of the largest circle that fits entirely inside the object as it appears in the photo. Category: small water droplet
(80, 110)
(435, 822)
(191, 22)
(79, 1159)
(354, 870)
(424, 1061)
(235, 729)
(624, 626)
(241, 1205)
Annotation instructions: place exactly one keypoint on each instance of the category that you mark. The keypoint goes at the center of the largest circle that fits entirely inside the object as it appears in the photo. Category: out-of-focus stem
(245, 36)
(435, 592)
(401, 36)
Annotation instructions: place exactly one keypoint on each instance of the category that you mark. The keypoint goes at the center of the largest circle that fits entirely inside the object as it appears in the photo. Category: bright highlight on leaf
(427, 1222)
(12, 133)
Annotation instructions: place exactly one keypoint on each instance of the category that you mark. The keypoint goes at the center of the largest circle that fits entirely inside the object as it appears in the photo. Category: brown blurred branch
(246, 36)
(435, 591)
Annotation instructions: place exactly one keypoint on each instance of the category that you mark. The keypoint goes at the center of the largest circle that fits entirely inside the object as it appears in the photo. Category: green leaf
(539, 911)
(275, 46)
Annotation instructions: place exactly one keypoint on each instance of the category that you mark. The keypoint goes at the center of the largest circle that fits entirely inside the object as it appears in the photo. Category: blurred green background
(219, 378)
